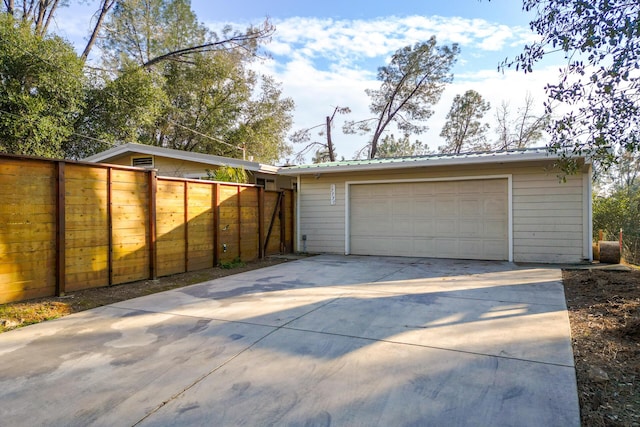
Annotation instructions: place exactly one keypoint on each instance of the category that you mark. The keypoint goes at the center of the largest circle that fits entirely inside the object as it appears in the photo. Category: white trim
(510, 214)
(298, 204)
(508, 177)
(347, 218)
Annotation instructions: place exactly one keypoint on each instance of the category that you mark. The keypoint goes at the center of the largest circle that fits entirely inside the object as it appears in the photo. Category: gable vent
(143, 162)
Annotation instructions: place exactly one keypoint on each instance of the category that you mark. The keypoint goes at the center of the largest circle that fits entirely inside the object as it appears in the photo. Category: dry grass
(15, 315)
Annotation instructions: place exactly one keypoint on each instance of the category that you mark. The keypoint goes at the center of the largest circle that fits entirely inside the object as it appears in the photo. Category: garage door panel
(442, 219)
(447, 247)
(402, 228)
(423, 189)
(495, 229)
(470, 228)
(470, 207)
(424, 245)
(468, 187)
(495, 206)
(470, 248)
(445, 227)
(493, 249)
(424, 208)
(401, 207)
(450, 187)
(446, 207)
(494, 186)
(424, 227)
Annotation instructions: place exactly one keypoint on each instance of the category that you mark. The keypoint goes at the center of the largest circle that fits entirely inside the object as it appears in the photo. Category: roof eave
(105, 156)
(422, 163)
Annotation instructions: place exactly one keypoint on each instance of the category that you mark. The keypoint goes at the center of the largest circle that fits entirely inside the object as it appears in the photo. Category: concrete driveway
(327, 340)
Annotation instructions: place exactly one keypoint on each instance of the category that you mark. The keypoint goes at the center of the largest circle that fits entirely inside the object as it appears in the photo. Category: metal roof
(503, 156)
(209, 159)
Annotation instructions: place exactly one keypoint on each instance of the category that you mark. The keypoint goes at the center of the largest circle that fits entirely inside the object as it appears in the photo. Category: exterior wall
(549, 224)
(185, 169)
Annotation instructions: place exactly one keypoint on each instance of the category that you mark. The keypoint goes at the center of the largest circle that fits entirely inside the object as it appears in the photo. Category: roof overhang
(209, 159)
(496, 157)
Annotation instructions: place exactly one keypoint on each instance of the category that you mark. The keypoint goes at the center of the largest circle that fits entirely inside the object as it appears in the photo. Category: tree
(41, 90)
(325, 151)
(411, 83)
(522, 131)
(214, 103)
(600, 83)
(463, 129)
(119, 110)
(401, 147)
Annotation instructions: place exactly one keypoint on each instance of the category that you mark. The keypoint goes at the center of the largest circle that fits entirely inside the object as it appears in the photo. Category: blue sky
(327, 53)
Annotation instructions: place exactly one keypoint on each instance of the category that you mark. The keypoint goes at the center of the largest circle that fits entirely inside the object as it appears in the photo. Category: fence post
(238, 195)
(261, 212)
(186, 226)
(216, 224)
(153, 258)
(60, 229)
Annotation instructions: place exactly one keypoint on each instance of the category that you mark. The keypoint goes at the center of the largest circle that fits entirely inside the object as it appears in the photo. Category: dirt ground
(604, 310)
(15, 315)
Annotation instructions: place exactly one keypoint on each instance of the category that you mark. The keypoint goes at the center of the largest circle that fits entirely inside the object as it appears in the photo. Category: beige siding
(547, 215)
(185, 169)
(321, 222)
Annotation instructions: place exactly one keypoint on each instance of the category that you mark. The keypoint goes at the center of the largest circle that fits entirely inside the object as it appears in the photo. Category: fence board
(118, 220)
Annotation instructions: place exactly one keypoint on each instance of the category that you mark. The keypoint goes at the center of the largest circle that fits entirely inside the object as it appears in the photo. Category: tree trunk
(332, 156)
(104, 9)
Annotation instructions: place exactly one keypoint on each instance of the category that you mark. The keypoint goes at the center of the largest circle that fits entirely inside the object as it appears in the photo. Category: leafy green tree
(464, 130)
(410, 85)
(214, 103)
(41, 90)
(229, 174)
(401, 147)
(600, 84)
(117, 111)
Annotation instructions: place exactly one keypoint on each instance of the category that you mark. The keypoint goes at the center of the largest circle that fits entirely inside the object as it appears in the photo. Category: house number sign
(333, 194)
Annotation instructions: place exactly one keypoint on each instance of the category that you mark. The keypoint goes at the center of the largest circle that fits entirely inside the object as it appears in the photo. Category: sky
(325, 54)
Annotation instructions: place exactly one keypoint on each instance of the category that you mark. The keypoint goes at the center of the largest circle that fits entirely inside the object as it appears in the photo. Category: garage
(514, 205)
(466, 219)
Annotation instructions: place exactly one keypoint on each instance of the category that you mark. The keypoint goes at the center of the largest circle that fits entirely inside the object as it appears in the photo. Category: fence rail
(66, 226)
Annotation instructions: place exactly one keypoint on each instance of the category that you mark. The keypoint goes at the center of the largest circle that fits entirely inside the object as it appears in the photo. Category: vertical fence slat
(60, 229)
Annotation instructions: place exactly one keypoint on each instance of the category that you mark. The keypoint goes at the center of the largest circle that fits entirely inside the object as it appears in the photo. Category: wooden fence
(66, 226)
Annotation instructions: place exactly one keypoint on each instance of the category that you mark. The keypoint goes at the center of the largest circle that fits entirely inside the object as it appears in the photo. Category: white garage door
(452, 219)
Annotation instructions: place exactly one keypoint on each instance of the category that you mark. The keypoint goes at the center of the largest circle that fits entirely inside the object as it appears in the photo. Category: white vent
(143, 162)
